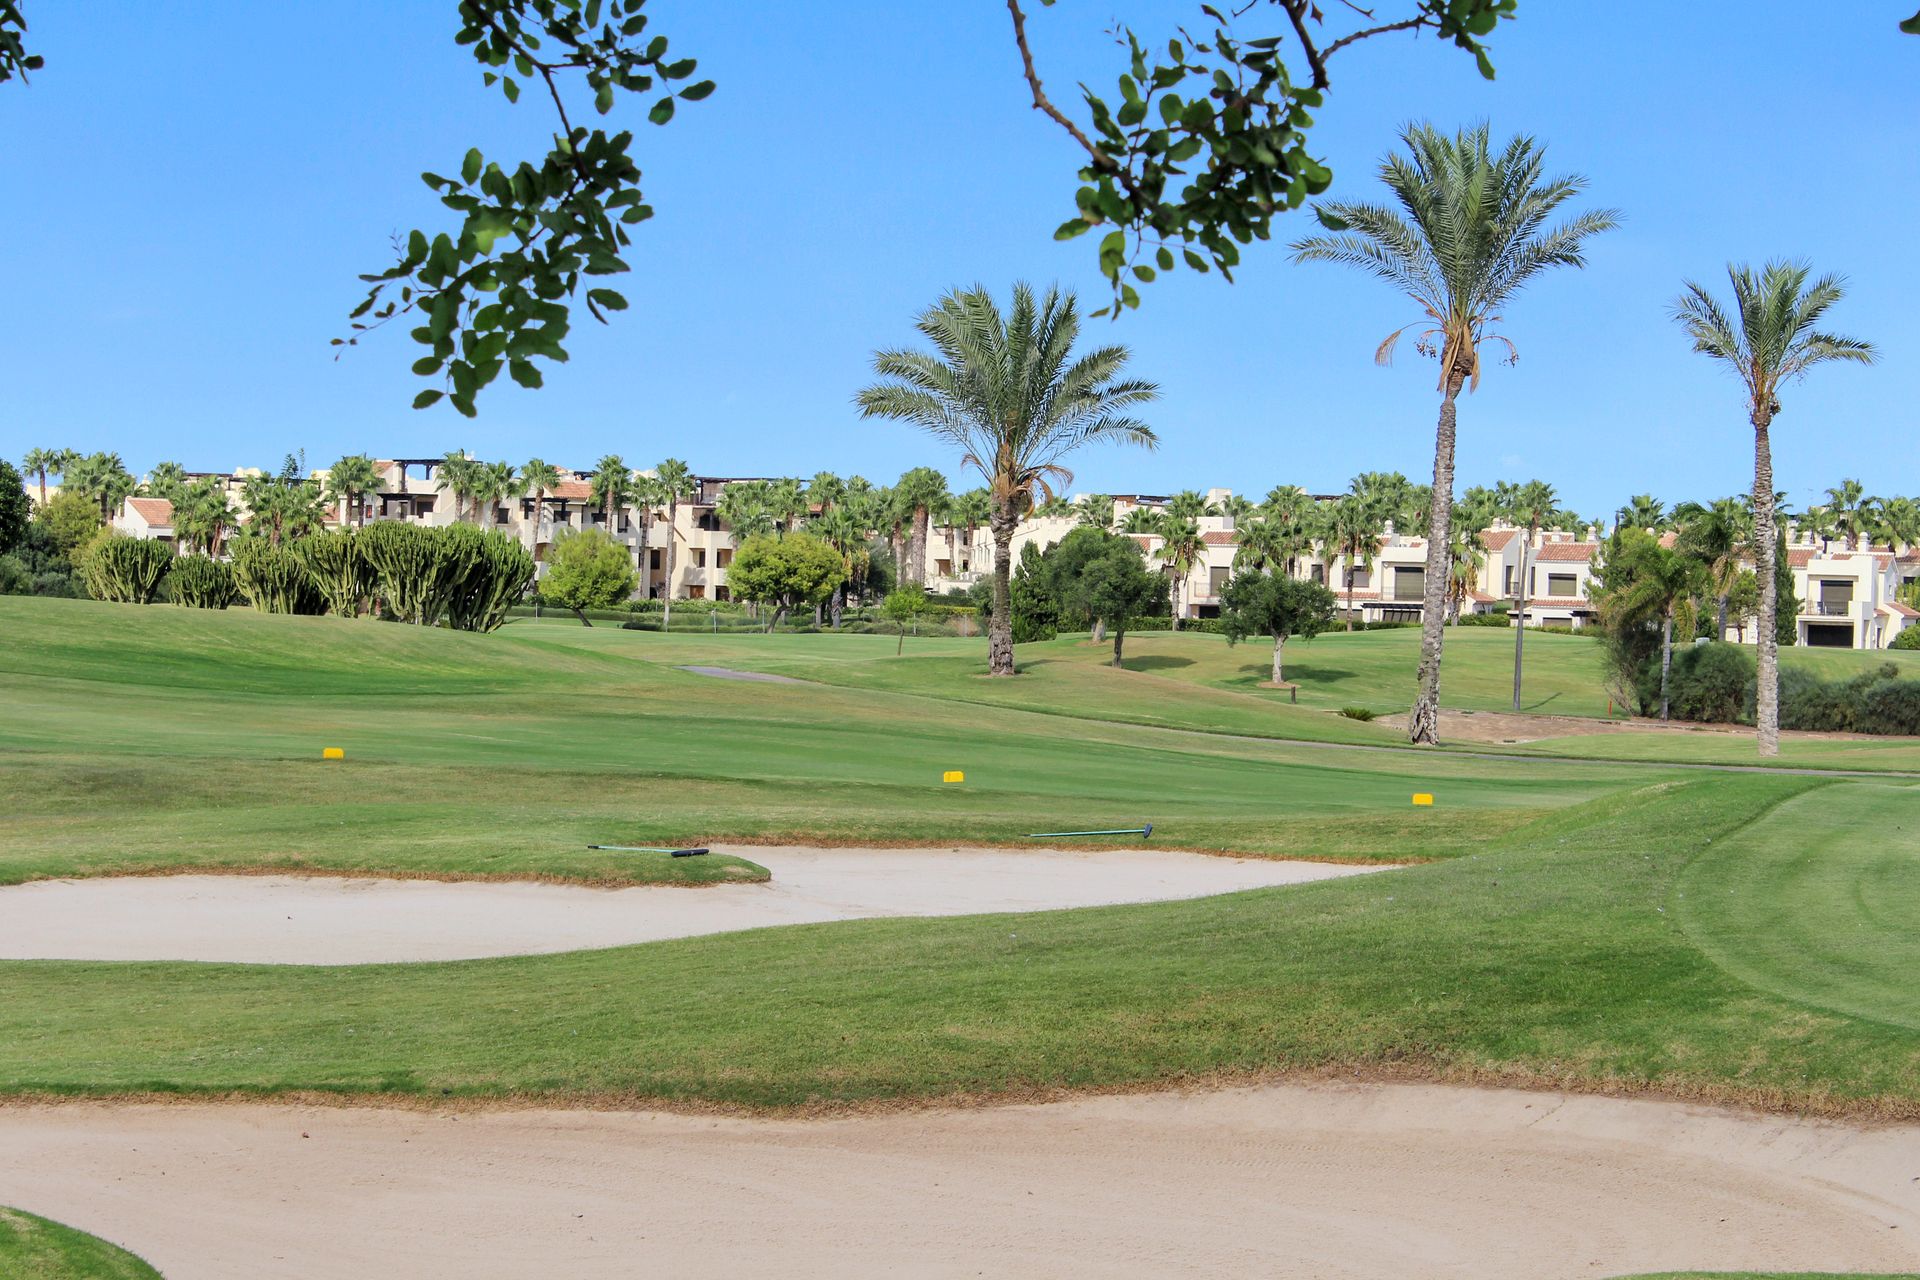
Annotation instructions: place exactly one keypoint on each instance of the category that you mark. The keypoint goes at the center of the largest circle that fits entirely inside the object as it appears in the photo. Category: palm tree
(1774, 340)
(1819, 523)
(1719, 537)
(676, 483)
(1659, 580)
(1855, 515)
(1467, 238)
(1236, 507)
(1900, 520)
(786, 500)
(40, 462)
(202, 515)
(1008, 393)
(539, 478)
(1644, 511)
(1291, 508)
(1181, 547)
(968, 513)
(166, 480)
(1141, 522)
(920, 491)
(1095, 511)
(610, 487)
(646, 498)
(840, 528)
(1465, 558)
(826, 490)
(743, 509)
(1264, 545)
(349, 481)
(494, 483)
(284, 504)
(1528, 506)
(460, 478)
(102, 477)
(1352, 532)
(1190, 504)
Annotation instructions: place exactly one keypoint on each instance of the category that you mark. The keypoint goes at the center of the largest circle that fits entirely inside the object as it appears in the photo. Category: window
(656, 558)
(1359, 579)
(1410, 584)
(1562, 584)
(1320, 574)
(499, 515)
(1506, 582)
(1217, 579)
(699, 557)
(723, 557)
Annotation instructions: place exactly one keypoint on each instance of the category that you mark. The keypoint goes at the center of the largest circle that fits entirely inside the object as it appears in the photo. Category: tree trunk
(673, 525)
(1721, 633)
(1766, 717)
(779, 612)
(1423, 723)
(1278, 643)
(1000, 626)
(1666, 660)
(578, 613)
(917, 547)
(1173, 599)
(839, 603)
(1349, 593)
(646, 569)
(1523, 595)
(1099, 630)
(901, 647)
(1119, 639)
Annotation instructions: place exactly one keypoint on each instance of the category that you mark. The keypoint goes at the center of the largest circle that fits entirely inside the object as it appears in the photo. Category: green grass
(1580, 925)
(32, 1248)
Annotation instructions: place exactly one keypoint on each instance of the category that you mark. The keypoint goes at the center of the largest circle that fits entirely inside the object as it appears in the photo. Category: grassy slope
(1564, 958)
(1197, 681)
(32, 1248)
(134, 739)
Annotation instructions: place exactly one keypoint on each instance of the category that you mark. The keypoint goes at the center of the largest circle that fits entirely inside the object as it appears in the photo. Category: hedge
(1715, 682)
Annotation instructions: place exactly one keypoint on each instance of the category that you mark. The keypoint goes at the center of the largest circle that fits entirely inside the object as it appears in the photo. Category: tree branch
(1040, 100)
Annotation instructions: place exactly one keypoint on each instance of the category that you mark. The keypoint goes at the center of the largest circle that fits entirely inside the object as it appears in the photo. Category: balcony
(1828, 609)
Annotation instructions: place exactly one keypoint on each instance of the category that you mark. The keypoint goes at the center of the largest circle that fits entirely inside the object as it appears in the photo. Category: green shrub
(15, 578)
(1711, 682)
(1500, 619)
(126, 570)
(197, 582)
(1908, 639)
(273, 579)
(341, 573)
(1358, 713)
(498, 574)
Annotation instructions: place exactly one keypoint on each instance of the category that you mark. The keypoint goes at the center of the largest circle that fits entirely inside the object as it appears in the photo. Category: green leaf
(607, 298)
(426, 398)
(525, 374)
(511, 89)
(426, 366)
(662, 111)
(1912, 25)
(603, 100)
(470, 167)
(695, 92)
(1072, 227)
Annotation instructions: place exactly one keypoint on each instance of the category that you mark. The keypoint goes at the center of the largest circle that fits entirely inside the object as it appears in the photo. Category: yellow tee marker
(1422, 798)
(953, 775)
(333, 753)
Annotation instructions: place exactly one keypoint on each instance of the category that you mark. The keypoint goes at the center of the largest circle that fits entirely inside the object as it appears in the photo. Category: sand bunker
(1290, 1181)
(321, 920)
(728, 673)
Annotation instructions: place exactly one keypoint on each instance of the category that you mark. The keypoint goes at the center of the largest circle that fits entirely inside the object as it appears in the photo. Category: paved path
(323, 920)
(1323, 1181)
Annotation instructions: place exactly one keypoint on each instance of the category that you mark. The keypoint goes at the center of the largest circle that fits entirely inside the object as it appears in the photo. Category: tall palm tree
(610, 487)
(840, 528)
(1855, 515)
(1264, 545)
(1465, 558)
(1529, 506)
(920, 491)
(1719, 536)
(349, 481)
(1644, 511)
(1141, 522)
(1181, 547)
(202, 516)
(39, 463)
(1007, 391)
(1352, 532)
(1470, 233)
(1236, 507)
(101, 477)
(743, 509)
(1772, 338)
(1819, 522)
(786, 500)
(1900, 521)
(676, 484)
(166, 480)
(494, 483)
(460, 479)
(645, 494)
(826, 490)
(970, 511)
(1291, 508)
(1190, 504)
(539, 478)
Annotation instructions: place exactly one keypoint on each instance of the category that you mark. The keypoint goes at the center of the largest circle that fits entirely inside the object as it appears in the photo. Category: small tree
(1277, 606)
(70, 520)
(588, 570)
(786, 572)
(902, 608)
(1115, 585)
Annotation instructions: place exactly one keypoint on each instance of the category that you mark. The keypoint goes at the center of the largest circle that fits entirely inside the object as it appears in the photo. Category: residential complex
(1847, 595)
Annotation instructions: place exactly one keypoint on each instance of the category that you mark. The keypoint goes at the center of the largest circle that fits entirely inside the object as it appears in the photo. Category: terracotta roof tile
(1564, 553)
(1497, 539)
(1901, 608)
(155, 511)
(1219, 538)
(1799, 557)
(577, 490)
(1669, 539)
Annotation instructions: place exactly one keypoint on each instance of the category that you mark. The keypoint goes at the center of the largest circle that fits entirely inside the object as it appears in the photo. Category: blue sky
(188, 201)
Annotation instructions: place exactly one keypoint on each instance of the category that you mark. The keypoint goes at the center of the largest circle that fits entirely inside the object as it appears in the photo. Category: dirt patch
(1506, 727)
(757, 677)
